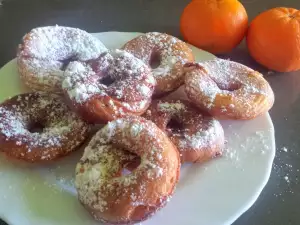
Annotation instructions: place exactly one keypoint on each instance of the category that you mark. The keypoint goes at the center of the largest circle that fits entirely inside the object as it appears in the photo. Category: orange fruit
(273, 39)
(216, 26)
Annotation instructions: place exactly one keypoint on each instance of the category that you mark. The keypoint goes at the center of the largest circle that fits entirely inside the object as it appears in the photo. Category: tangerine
(216, 26)
(273, 39)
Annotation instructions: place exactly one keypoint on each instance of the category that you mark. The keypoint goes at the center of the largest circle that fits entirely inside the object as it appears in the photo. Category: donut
(39, 127)
(115, 85)
(166, 56)
(228, 90)
(45, 52)
(116, 198)
(197, 136)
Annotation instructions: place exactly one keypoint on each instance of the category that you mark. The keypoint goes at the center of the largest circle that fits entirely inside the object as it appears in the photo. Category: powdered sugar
(248, 144)
(229, 75)
(166, 67)
(45, 50)
(233, 83)
(144, 90)
(192, 131)
(60, 43)
(136, 106)
(171, 106)
(124, 62)
(195, 88)
(75, 82)
(37, 72)
(136, 129)
(83, 80)
(98, 181)
(203, 138)
(97, 166)
(21, 112)
(171, 53)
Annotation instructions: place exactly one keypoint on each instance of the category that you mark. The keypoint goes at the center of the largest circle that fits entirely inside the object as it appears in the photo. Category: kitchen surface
(278, 203)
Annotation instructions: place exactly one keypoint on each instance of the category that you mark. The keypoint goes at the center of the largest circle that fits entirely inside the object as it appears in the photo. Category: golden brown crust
(61, 131)
(98, 109)
(228, 90)
(170, 53)
(197, 136)
(134, 197)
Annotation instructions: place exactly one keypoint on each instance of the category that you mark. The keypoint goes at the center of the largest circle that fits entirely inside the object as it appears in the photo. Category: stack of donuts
(130, 167)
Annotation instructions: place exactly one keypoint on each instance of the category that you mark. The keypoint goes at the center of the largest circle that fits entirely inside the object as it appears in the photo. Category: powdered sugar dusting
(76, 85)
(60, 43)
(193, 131)
(166, 66)
(144, 90)
(231, 75)
(248, 144)
(99, 164)
(204, 138)
(233, 83)
(196, 88)
(21, 112)
(42, 73)
(171, 106)
(45, 50)
(171, 53)
(84, 80)
(124, 62)
(99, 180)
(119, 83)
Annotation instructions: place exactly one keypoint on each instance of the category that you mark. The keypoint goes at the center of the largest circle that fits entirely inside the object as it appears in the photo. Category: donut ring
(197, 136)
(60, 130)
(228, 90)
(109, 88)
(134, 197)
(168, 52)
(46, 51)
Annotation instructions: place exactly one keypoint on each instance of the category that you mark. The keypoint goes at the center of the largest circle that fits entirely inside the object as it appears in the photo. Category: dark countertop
(278, 204)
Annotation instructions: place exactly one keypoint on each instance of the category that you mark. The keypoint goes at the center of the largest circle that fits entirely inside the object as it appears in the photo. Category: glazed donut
(166, 55)
(45, 52)
(228, 90)
(115, 85)
(197, 136)
(134, 197)
(38, 127)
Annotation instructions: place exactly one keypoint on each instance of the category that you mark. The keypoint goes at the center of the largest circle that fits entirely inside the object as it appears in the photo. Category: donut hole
(130, 166)
(174, 125)
(125, 172)
(65, 62)
(229, 87)
(155, 60)
(107, 80)
(36, 127)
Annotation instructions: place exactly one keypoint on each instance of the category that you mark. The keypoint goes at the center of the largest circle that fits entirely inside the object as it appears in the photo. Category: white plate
(215, 193)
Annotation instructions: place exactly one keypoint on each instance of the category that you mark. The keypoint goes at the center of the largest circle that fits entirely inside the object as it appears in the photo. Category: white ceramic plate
(215, 193)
